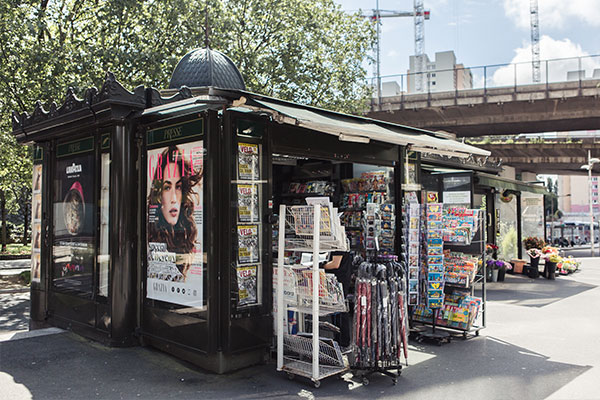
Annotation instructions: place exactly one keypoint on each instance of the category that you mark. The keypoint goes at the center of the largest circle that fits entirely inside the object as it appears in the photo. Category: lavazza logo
(74, 168)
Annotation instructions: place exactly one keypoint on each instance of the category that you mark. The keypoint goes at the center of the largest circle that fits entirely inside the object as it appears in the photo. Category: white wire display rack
(310, 291)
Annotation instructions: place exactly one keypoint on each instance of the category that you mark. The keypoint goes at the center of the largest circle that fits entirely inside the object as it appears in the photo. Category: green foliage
(508, 244)
(25, 277)
(17, 249)
(307, 51)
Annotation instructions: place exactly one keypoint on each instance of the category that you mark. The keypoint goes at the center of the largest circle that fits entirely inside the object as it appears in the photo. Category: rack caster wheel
(394, 381)
(464, 335)
(365, 382)
(317, 384)
(476, 333)
(290, 376)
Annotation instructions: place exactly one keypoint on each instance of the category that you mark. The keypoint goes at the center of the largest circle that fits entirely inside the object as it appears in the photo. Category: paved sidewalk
(15, 264)
(541, 343)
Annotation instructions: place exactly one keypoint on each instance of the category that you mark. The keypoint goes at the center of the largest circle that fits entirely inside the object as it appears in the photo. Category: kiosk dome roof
(206, 67)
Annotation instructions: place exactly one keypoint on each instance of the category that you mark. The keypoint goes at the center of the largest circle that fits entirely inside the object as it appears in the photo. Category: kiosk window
(74, 213)
(104, 254)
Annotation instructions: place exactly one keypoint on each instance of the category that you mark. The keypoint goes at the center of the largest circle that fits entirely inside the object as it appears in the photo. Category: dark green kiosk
(153, 210)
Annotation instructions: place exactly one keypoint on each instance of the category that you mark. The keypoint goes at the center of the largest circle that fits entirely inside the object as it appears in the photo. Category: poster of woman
(174, 224)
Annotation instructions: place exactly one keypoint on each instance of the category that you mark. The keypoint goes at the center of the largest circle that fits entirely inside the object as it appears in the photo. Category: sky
(487, 32)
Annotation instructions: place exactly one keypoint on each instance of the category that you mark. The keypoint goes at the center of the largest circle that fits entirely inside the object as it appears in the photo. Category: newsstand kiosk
(153, 211)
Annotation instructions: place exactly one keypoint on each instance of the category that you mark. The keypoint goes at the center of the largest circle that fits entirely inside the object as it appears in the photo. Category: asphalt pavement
(541, 342)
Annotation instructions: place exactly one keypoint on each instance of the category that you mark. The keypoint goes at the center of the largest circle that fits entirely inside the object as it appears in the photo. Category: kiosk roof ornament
(206, 67)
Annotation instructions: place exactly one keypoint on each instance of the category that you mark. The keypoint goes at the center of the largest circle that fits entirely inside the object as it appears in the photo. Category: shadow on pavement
(14, 311)
(523, 291)
(67, 366)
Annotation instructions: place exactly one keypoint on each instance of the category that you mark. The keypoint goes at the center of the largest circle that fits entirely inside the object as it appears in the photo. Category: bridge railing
(511, 75)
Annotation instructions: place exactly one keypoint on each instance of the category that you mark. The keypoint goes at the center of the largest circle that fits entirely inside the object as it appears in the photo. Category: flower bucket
(501, 274)
(550, 270)
(534, 262)
(495, 275)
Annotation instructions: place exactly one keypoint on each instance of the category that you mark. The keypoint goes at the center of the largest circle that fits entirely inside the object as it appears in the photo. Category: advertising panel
(36, 226)
(74, 217)
(175, 224)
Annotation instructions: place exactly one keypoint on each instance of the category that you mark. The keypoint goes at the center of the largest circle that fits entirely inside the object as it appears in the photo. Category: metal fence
(490, 76)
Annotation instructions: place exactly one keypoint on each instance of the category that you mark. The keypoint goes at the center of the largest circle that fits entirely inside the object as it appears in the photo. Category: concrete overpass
(561, 157)
(563, 106)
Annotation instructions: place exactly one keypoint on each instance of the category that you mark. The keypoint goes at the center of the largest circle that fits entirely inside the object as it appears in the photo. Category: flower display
(534, 253)
(497, 264)
(548, 250)
(490, 248)
(533, 242)
(568, 265)
(553, 258)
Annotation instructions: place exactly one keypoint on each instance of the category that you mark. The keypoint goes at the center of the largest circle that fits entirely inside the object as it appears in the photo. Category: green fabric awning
(483, 179)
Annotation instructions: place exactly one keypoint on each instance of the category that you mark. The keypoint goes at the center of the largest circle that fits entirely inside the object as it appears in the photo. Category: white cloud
(554, 13)
(557, 69)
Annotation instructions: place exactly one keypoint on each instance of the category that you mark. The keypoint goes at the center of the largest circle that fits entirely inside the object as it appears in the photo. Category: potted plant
(494, 266)
(551, 262)
(533, 242)
(534, 255)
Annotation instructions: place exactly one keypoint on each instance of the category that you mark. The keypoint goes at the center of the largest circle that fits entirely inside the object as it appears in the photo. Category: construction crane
(419, 14)
(419, 44)
(535, 40)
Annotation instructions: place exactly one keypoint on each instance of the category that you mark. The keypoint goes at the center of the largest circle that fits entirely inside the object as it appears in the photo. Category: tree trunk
(3, 211)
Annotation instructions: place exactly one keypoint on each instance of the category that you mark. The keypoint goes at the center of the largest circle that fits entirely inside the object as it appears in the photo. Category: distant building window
(433, 74)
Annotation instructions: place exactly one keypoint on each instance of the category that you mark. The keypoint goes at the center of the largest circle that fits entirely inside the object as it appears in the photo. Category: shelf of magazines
(464, 272)
(308, 290)
(248, 185)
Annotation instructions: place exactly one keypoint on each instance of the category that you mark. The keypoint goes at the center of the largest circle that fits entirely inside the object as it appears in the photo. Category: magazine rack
(311, 292)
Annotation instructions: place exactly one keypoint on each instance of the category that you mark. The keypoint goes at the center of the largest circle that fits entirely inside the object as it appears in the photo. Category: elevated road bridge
(546, 107)
(556, 156)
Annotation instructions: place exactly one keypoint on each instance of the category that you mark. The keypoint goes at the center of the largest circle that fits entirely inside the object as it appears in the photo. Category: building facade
(578, 201)
(442, 74)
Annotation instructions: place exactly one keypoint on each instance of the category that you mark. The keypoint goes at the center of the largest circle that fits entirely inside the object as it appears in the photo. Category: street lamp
(588, 167)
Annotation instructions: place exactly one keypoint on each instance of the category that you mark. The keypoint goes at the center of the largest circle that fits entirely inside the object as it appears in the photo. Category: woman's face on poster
(171, 195)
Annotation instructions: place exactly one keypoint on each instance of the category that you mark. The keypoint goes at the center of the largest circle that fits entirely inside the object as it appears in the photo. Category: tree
(551, 202)
(306, 51)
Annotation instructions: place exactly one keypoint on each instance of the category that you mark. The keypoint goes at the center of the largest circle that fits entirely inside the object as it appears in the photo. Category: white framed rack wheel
(310, 292)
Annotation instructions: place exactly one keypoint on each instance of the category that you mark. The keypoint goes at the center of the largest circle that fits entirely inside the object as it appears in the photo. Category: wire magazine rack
(300, 291)
(300, 222)
(310, 291)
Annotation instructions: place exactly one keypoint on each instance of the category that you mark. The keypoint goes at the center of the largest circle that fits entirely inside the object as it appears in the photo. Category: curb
(8, 291)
